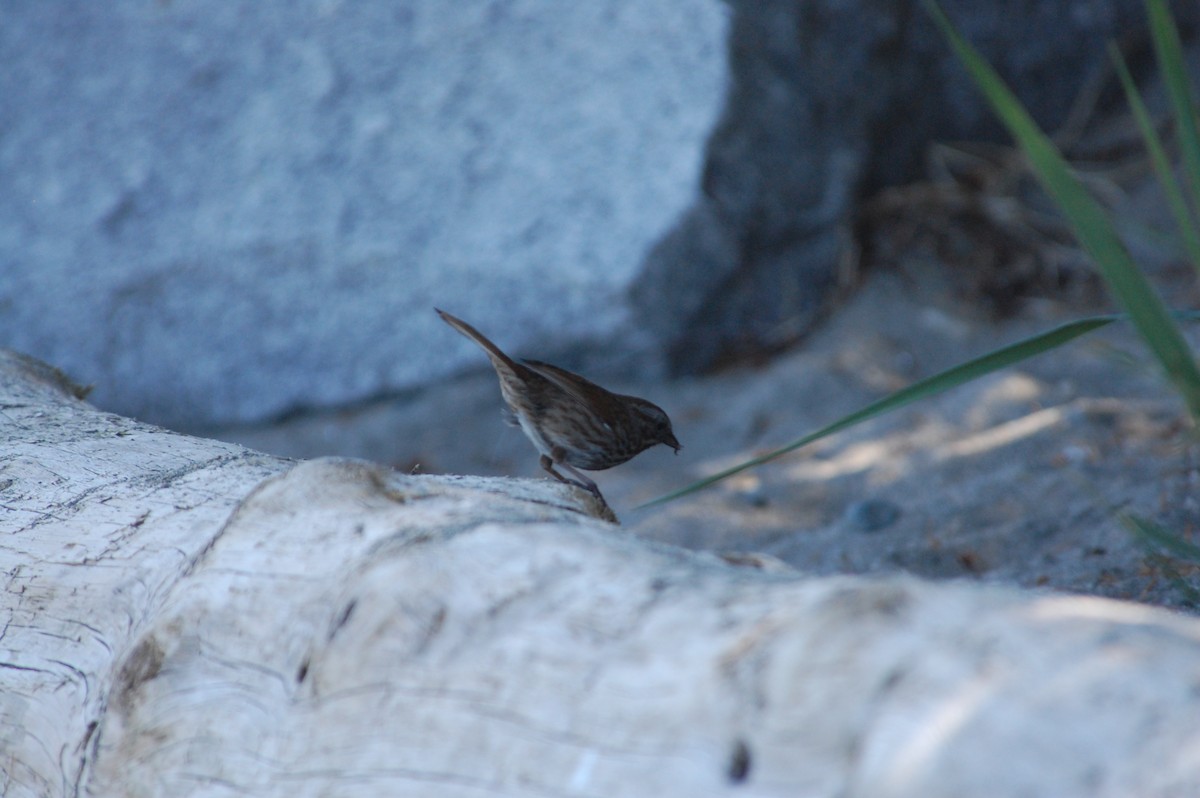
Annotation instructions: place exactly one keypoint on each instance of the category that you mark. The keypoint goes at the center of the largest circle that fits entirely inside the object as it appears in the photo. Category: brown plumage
(573, 422)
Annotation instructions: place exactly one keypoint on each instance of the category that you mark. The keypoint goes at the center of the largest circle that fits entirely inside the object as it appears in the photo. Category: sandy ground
(1020, 477)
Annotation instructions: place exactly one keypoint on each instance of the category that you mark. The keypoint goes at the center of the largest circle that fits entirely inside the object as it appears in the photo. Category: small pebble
(872, 515)
(755, 498)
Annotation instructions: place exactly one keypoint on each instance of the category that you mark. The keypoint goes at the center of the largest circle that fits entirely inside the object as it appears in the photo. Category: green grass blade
(1165, 546)
(1170, 61)
(930, 386)
(1154, 536)
(1092, 227)
(1158, 157)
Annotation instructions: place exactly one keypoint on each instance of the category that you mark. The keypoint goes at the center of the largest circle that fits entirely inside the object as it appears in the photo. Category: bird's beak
(674, 444)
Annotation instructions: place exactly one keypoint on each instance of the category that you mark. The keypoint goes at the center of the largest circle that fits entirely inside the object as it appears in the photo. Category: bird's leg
(580, 481)
(583, 481)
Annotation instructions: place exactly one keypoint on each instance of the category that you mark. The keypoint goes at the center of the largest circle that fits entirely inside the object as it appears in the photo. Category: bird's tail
(497, 356)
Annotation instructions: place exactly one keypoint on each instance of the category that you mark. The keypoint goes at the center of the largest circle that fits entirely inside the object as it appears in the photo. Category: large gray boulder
(223, 211)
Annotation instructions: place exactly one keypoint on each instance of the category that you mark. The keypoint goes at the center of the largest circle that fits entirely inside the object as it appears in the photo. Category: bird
(573, 422)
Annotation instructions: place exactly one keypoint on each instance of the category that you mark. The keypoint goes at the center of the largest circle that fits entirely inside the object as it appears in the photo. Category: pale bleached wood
(99, 518)
(227, 623)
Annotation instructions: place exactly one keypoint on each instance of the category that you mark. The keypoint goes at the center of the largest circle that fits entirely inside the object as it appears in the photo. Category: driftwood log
(186, 617)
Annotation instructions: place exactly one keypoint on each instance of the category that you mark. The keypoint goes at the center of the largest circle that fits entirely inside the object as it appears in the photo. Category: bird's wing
(586, 392)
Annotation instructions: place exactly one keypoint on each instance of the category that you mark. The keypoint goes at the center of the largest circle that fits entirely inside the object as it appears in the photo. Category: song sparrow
(574, 423)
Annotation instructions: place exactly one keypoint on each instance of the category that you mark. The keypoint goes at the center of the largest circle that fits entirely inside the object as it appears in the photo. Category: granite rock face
(224, 211)
(829, 100)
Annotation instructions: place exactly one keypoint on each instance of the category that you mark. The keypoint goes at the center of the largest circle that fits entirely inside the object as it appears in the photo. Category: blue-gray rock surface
(224, 211)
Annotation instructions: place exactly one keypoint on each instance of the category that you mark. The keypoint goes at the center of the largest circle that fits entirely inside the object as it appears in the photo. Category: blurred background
(231, 212)
(234, 218)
